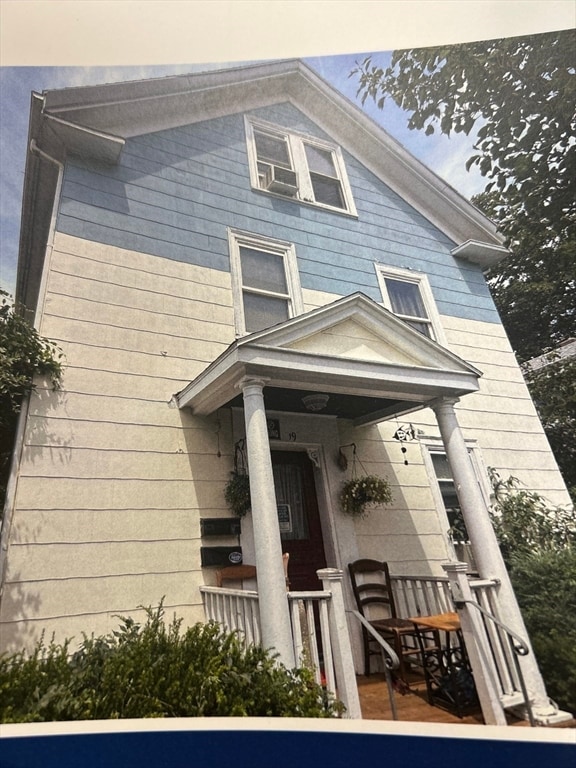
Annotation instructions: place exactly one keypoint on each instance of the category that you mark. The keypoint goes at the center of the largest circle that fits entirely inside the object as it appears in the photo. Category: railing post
(331, 579)
(476, 647)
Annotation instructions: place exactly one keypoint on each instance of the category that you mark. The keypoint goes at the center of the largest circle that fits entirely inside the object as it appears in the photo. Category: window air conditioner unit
(280, 180)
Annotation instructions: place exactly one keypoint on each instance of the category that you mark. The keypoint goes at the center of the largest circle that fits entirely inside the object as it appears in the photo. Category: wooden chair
(373, 593)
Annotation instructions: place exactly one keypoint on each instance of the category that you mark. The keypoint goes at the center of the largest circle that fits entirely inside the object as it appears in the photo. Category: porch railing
(314, 626)
(427, 595)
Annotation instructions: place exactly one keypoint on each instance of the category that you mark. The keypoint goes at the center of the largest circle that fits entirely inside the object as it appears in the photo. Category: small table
(449, 679)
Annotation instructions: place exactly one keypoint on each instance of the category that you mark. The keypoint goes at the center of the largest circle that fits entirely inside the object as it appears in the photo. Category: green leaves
(156, 670)
(23, 355)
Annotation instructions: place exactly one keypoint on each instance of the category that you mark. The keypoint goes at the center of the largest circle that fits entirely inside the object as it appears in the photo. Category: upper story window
(409, 296)
(296, 166)
(264, 280)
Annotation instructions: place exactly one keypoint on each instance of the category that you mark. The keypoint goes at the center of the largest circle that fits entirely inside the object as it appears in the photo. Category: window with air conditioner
(265, 281)
(299, 167)
(408, 295)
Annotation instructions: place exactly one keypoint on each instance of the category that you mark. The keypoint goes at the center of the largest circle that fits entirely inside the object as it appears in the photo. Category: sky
(102, 40)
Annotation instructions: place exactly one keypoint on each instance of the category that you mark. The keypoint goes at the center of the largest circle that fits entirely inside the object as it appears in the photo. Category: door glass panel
(289, 491)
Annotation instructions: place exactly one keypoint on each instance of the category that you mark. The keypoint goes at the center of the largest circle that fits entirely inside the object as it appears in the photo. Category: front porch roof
(371, 364)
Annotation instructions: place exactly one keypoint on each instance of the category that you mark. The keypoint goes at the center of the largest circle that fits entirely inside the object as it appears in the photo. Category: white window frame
(237, 239)
(296, 149)
(421, 280)
(430, 445)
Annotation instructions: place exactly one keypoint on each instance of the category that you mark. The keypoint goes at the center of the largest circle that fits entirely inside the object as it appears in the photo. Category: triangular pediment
(371, 364)
(356, 328)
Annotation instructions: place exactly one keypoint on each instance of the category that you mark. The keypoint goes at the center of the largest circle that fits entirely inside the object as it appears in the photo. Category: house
(243, 269)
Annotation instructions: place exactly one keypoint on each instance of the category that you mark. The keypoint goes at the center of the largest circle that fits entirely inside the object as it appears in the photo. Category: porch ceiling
(372, 365)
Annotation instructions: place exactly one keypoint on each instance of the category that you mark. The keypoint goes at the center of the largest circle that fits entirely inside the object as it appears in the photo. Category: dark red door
(299, 519)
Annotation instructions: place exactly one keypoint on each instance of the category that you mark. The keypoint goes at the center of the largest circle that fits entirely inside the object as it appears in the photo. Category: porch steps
(511, 700)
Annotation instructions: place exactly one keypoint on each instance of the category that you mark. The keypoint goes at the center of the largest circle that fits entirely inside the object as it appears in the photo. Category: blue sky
(446, 156)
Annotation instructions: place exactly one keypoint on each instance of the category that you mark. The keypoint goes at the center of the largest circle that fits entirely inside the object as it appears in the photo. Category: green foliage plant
(360, 494)
(538, 543)
(24, 354)
(156, 669)
(237, 493)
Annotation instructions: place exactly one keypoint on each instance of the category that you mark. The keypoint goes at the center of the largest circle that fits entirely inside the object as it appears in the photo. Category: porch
(321, 641)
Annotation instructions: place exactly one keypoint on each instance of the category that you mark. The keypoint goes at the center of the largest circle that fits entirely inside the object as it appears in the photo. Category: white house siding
(113, 479)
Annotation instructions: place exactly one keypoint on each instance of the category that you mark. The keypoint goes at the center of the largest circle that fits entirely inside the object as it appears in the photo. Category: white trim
(296, 148)
(421, 280)
(238, 238)
(431, 445)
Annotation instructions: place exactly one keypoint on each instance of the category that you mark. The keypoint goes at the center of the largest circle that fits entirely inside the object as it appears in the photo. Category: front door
(299, 519)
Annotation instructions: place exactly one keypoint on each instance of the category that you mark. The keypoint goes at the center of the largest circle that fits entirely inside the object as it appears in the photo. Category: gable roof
(95, 121)
(352, 348)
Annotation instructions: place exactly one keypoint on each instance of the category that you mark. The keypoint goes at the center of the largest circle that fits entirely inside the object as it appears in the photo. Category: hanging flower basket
(237, 493)
(363, 492)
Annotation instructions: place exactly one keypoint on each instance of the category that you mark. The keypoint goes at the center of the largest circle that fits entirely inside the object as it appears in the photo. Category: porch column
(273, 603)
(485, 545)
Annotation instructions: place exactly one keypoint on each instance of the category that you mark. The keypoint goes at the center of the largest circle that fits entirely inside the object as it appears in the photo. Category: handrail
(520, 648)
(389, 657)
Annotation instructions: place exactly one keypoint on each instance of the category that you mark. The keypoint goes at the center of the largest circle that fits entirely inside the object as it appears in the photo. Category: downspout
(35, 149)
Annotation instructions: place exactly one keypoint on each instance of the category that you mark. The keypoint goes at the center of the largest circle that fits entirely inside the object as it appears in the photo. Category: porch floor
(414, 707)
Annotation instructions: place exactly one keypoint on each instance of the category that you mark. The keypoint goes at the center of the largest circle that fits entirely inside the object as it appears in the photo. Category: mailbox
(220, 557)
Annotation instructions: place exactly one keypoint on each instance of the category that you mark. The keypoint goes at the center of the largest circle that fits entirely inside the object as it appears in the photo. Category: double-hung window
(265, 281)
(408, 295)
(296, 166)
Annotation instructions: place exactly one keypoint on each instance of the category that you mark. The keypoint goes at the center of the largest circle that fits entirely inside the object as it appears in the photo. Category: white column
(274, 610)
(485, 545)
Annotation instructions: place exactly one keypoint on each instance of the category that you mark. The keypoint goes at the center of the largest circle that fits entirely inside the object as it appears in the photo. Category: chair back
(372, 587)
(235, 573)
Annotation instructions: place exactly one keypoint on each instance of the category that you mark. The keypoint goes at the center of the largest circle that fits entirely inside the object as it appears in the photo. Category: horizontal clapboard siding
(175, 192)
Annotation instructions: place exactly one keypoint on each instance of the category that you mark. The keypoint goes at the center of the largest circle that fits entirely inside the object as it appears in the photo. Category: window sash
(319, 166)
(265, 281)
(408, 295)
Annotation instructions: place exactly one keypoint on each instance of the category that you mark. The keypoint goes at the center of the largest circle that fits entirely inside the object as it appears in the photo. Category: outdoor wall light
(316, 402)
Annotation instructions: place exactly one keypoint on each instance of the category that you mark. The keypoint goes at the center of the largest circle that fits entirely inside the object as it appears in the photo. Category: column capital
(444, 404)
(251, 381)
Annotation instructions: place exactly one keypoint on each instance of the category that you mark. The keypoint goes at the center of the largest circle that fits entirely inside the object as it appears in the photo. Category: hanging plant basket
(237, 493)
(361, 493)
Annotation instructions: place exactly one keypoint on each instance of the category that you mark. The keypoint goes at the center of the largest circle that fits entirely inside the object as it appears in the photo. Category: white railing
(319, 631)
(427, 595)
(236, 610)
(313, 648)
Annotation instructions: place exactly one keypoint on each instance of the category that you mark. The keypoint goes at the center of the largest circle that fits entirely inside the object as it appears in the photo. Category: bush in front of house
(156, 670)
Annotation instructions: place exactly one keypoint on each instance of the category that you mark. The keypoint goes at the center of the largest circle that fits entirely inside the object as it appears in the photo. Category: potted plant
(360, 493)
(237, 493)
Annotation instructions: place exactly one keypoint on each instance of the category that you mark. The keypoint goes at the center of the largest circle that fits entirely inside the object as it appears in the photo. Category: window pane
(289, 489)
(320, 160)
(405, 298)
(263, 311)
(327, 191)
(264, 271)
(272, 149)
(441, 466)
(421, 327)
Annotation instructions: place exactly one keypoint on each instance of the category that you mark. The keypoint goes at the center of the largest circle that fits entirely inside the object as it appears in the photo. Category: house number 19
(292, 437)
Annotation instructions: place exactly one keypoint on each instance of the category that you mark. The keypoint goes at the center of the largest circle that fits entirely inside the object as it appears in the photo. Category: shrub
(545, 585)
(155, 670)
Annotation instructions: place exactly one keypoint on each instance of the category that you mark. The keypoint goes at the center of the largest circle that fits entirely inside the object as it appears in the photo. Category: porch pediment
(372, 364)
